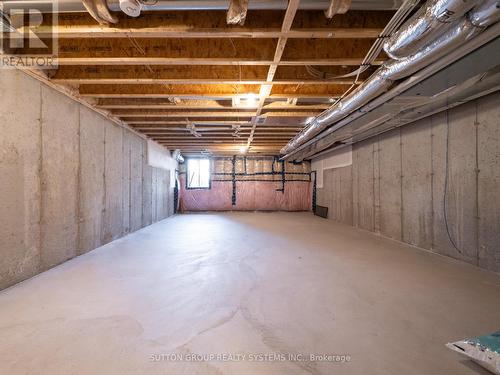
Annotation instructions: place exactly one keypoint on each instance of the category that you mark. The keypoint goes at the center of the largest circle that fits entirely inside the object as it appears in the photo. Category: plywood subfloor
(247, 284)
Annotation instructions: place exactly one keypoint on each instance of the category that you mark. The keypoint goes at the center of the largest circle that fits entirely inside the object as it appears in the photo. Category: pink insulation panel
(250, 196)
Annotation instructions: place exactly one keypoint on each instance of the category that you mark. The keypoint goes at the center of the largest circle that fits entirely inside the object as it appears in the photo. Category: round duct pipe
(463, 29)
(434, 18)
(69, 6)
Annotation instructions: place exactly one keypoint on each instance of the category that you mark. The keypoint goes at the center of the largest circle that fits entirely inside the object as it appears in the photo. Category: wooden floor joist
(96, 31)
(174, 81)
(255, 85)
(280, 47)
(212, 24)
(193, 73)
(210, 106)
(213, 91)
(198, 96)
(168, 114)
(121, 61)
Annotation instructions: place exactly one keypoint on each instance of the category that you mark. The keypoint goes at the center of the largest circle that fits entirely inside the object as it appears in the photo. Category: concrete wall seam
(438, 172)
(69, 187)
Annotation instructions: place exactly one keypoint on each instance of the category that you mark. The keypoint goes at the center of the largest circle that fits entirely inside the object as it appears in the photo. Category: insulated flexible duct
(431, 20)
(64, 6)
(462, 30)
(486, 14)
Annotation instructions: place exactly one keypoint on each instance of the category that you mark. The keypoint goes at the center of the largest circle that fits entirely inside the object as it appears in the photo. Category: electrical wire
(401, 14)
(374, 51)
(445, 195)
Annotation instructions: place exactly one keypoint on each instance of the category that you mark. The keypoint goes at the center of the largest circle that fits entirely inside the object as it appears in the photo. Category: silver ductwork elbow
(461, 31)
(433, 18)
(485, 14)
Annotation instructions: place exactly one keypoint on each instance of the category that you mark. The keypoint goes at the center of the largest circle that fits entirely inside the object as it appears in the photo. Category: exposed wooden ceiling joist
(203, 74)
(212, 24)
(265, 90)
(160, 71)
(196, 96)
(121, 61)
(156, 81)
(168, 129)
(225, 50)
(210, 91)
(168, 114)
(209, 106)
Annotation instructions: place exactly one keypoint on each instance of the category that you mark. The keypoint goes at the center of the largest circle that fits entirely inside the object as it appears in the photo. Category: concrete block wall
(70, 180)
(398, 184)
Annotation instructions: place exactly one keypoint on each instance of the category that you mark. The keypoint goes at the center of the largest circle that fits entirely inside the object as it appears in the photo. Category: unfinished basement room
(249, 187)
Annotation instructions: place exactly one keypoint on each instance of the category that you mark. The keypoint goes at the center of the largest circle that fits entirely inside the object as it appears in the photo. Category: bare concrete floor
(247, 284)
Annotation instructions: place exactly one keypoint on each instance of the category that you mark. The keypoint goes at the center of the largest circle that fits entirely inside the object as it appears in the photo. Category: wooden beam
(212, 24)
(209, 103)
(182, 127)
(87, 60)
(280, 47)
(173, 72)
(231, 142)
(213, 113)
(196, 96)
(215, 147)
(195, 120)
(201, 141)
(157, 81)
(98, 32)
(192, 74)
(196, 56)
(168, 114)
(210, 138)
(219, 134)
(173, 91)
(214, 130)
(210, 106)
(177, 123)
(209, 91)
(145, 51)
(225, 149)
(234, 146)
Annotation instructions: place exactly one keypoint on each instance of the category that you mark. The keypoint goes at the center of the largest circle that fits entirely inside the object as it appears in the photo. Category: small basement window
(198, 173)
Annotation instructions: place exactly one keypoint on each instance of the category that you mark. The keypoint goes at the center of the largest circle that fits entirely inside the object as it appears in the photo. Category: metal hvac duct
(65, 6)
(431, 20)
(462, 30)
(486, 14)
(259, 4)
(375, 113)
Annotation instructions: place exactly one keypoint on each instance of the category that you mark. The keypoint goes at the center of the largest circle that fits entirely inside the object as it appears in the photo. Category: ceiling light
(249, 101)
(246, 101)
(243, 149)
